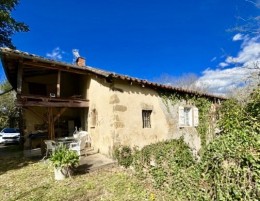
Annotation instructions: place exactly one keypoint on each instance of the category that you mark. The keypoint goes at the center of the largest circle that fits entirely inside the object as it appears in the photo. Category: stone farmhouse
(115, 109)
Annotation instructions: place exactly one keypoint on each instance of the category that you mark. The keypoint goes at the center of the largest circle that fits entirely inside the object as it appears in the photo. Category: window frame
(188, 116)
(146, 118)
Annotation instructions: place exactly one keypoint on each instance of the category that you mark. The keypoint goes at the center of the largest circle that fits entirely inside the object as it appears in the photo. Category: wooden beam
(51, 131)
(61, 68)
(58, 84)
(60, 113)
(43, 101)
(21, 126)
(52, 104)
(19, 78)
(47, 98)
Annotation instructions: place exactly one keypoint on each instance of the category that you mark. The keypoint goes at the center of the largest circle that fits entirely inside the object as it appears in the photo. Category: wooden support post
(19, 92)
(51, 132)
(21, 128)
(19, 78)
(49, 123)
(58, 84)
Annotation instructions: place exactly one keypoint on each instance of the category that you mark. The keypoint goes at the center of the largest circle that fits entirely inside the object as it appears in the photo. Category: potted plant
(64, 161)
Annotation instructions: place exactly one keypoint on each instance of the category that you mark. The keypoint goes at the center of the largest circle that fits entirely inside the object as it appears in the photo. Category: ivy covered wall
(195, 136)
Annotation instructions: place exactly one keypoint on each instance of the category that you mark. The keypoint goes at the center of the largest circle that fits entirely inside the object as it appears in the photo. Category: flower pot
(63, 160)
(61, 173)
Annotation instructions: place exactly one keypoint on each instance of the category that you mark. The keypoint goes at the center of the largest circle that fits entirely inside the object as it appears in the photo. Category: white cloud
(223, 64)
(213, 59)
(249, 53)
(238, 37)
(221, 81)
(255, 3)
(229, 60)
(56, 54)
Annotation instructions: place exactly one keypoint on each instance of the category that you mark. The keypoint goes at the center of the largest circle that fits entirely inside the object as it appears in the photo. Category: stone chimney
(81, 61)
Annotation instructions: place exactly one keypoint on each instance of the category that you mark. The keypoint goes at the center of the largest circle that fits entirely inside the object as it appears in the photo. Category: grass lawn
(26, 179)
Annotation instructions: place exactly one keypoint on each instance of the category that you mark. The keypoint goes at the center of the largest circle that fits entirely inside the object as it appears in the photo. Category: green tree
(8, 25)
(9, 113)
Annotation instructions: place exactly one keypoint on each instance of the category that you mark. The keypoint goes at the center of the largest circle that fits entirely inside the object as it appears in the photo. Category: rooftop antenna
(76, 55)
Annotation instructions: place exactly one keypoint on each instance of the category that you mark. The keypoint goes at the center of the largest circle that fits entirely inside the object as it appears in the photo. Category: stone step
(109, 165)
(91, 151)
(95, 162)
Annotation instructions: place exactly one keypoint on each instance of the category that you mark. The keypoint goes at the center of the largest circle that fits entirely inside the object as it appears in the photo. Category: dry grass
(23, 179)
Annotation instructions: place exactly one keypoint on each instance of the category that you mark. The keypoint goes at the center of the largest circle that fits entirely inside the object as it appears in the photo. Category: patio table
(65, 140)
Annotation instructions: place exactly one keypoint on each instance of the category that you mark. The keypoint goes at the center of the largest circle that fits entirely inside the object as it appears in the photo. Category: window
(188, 116)
(93, 118)
(146, 115)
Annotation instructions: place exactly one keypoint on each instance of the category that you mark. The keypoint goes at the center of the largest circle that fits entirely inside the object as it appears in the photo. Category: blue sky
(140, 38)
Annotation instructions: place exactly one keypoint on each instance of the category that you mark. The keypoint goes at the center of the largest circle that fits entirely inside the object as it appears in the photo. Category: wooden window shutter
(190, 117)
(181, 116)
(195, 116)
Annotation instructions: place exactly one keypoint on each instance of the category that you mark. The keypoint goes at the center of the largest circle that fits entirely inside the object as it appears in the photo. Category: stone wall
(115, 117)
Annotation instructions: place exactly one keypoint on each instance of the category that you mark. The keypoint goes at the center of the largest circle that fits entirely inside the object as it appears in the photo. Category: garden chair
(50, 147)
(88, 137)
(79, 146)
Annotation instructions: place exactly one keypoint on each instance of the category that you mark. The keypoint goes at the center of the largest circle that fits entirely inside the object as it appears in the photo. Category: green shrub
(229, 168)
(231, 163)
(162, 161)
(123, 154)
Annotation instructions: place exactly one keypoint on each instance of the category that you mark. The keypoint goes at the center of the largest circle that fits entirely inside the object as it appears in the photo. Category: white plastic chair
(79, 146)
(50, 147)
(76, 136)
(88, 137)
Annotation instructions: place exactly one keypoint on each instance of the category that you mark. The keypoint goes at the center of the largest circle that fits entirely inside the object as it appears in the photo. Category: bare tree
(250, 27)
(251, 83)
(187, 81)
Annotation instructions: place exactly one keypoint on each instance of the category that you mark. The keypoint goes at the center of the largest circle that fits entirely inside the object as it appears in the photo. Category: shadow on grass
(83, 169)
(41, 190)
(12, 158)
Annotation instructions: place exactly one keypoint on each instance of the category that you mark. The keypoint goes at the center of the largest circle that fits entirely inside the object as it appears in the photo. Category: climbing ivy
(231, 163)
(162, 160)
(203, 104)
(229, 168)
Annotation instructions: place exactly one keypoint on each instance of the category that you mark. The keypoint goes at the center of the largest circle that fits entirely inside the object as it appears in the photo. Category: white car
(10, 136)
